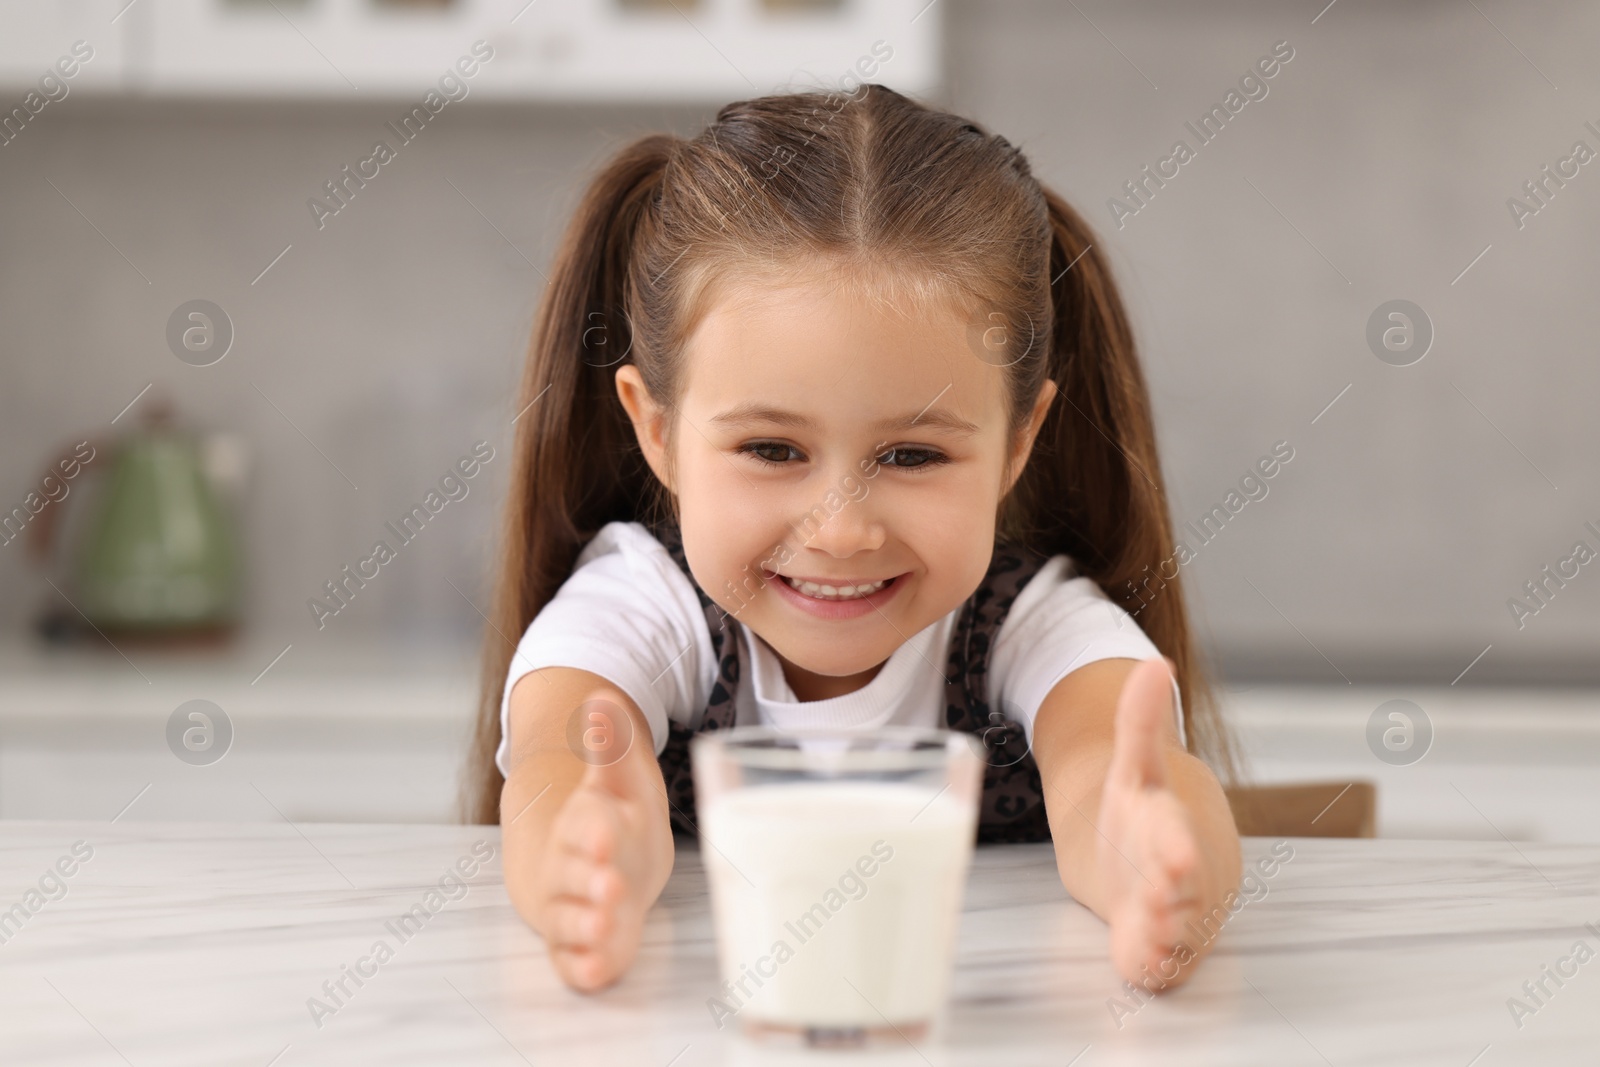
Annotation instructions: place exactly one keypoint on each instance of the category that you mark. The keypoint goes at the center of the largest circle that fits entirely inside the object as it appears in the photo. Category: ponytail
(576, 465)
(1093, 488)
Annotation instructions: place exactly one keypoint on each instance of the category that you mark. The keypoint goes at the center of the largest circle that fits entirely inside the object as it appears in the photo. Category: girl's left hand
(1147, 849)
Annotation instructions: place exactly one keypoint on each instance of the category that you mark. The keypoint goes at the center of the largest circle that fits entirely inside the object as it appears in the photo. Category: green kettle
(158, 555)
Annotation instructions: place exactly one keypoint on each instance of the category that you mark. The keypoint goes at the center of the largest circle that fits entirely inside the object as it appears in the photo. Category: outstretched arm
(1143, 833)
(588, 845)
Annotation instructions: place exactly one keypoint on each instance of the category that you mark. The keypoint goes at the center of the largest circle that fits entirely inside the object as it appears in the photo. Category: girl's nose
(843, 524)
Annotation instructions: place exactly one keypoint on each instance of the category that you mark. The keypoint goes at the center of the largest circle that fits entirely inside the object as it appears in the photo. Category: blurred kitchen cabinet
(705, 50)
(351, 732)
(35, 35)
(713, 50)
(295, 48)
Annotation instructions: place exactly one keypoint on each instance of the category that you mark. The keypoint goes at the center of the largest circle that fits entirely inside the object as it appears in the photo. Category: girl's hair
(873, 184)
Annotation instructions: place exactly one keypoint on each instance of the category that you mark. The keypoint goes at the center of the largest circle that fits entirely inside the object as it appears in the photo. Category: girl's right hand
(608, 853)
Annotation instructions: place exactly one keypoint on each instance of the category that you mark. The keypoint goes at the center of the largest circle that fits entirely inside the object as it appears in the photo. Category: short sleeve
(1059, 622)
(629, 614)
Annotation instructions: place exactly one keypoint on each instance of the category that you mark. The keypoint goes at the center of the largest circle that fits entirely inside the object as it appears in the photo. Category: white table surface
(196, 943)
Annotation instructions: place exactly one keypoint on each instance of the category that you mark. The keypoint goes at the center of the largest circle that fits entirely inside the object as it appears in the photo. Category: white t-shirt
(630, 614)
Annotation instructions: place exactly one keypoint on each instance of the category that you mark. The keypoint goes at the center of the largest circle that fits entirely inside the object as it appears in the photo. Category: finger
(1172, 913)
(1164, 845)
(571, 923)
(1130, 943)
(589, 826)
(1152, 877)
(1178, 851)
(1156, 886)
(1144, 708)
(582, 968)
(1150, 934)
(580, 878)
(593, 967)
(1163, 922)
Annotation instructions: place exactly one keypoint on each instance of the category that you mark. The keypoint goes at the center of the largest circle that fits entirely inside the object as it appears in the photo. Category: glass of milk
(837, 860)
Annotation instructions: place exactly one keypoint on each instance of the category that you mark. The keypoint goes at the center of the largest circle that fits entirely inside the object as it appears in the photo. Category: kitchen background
(374, 347)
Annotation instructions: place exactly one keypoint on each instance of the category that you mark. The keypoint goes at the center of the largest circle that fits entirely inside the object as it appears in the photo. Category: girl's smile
(838, 599)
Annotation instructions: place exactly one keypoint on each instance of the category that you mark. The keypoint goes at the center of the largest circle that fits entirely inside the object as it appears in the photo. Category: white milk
(814, 922)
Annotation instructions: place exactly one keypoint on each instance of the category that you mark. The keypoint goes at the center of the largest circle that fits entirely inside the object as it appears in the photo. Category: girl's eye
(770, 453)
(912, 458)
(777, 454)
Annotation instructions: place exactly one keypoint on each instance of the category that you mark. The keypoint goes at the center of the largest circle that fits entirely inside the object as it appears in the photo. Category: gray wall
(1391, 142)
(1381, 159)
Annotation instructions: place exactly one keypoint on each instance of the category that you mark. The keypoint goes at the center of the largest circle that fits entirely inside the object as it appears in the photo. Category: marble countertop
(204, 943)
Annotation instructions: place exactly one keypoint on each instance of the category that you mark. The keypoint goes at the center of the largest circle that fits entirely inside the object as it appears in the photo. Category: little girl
(832, 417)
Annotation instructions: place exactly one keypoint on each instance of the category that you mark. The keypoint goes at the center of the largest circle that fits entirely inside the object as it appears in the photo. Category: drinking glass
(837, 861)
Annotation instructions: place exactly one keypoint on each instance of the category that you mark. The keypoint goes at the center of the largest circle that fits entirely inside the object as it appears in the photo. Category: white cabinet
(724, 50)
(340, 49)
(1502, 764)
(36, 36)
(348, 733)
(558, 50)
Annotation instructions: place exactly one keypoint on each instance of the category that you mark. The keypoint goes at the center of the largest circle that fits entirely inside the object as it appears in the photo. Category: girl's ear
(649, 423)
(1024, 448)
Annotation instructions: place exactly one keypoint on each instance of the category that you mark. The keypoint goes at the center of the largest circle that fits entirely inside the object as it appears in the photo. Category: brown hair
(870, 179)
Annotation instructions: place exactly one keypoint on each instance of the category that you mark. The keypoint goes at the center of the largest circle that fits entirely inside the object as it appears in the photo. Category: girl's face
(825, 438)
